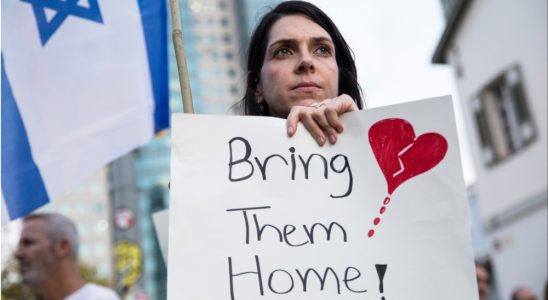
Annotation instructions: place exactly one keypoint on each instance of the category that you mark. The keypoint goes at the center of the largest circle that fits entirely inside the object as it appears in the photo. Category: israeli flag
(83, 82)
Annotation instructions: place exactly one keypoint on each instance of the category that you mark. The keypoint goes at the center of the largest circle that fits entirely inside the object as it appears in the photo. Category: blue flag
(83, 82)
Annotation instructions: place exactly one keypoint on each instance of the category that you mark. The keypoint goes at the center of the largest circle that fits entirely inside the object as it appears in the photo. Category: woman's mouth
(306, 86)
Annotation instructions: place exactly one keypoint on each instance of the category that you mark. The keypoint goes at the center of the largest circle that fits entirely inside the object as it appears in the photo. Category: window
(502, 117)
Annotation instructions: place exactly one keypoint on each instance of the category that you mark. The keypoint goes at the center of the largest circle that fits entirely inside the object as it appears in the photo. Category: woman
(300, 68)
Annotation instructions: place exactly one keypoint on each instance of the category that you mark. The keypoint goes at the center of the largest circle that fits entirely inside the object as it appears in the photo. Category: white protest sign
(161, 227)
(380, 215)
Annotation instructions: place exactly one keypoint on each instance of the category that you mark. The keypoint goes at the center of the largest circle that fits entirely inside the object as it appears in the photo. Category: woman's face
(299, 67)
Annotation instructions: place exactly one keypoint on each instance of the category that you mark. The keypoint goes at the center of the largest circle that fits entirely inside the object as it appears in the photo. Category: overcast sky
(393, 41)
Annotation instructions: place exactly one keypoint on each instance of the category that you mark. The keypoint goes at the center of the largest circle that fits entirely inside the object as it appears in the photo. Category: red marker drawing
(401, 155)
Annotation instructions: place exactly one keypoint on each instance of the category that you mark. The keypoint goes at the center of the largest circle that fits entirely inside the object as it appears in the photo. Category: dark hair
(348, 77)
(515, 294)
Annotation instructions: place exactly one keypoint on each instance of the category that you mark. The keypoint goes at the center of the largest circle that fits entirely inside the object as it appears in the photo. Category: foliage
(89, 273)
(13, 289)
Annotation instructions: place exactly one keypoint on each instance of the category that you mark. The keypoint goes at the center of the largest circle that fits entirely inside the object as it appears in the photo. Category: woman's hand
(322, 118)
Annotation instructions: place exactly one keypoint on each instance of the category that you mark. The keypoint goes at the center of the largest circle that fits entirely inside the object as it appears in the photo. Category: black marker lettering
(346, 280)
(246, 221)
(346, 166)
(231, 276)
(307, 163)
(245, 159)
(288, 229)
(242, 168)
(310, 232)
(322, 279)
(271, 277)
(262, 166)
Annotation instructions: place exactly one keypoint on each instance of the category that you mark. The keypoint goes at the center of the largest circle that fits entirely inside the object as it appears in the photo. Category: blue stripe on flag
(154, 18)
(22, 184)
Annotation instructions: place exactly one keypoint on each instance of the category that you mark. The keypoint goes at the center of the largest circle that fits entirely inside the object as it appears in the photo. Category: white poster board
(161, 227)
(258, 215)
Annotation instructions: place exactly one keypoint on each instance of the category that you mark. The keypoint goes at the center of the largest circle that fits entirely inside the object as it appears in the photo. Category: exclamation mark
(381, 269)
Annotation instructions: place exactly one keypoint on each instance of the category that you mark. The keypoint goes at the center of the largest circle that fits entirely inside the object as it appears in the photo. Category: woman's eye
(282, 52)
(322, 50)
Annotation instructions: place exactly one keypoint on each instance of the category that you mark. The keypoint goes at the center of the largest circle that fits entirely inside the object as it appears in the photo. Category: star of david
(62, 9)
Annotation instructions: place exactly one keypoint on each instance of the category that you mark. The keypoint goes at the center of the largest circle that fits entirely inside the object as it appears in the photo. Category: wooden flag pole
(177, 35)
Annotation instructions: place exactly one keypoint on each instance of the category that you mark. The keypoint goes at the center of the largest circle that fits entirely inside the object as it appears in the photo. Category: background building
(497, 49)
(211, 37)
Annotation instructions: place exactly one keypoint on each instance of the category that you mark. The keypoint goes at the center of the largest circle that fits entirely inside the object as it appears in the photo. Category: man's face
(35, 253)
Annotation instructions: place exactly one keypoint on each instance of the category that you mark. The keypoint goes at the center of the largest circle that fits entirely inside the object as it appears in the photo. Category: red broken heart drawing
(402, 156)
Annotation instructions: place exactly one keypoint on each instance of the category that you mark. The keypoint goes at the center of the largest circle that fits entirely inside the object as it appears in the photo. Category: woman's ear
(259, 98)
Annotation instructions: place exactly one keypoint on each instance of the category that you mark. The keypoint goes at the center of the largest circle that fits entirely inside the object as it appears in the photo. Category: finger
(292, 120)
(343, 104)
(336, 107)
(312, 126)
(332, 117)
(319, 115)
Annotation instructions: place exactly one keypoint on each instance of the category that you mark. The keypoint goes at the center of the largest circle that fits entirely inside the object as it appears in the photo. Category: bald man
(48, 255)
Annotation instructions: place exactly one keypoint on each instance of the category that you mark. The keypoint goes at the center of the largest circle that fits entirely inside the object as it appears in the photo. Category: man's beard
(38, 272)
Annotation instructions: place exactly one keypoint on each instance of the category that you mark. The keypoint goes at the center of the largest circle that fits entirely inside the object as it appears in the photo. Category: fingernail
(289, 130)
(332, 139)
(321, 140)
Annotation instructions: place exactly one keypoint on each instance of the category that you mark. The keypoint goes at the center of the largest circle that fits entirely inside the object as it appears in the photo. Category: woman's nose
(306, 64)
